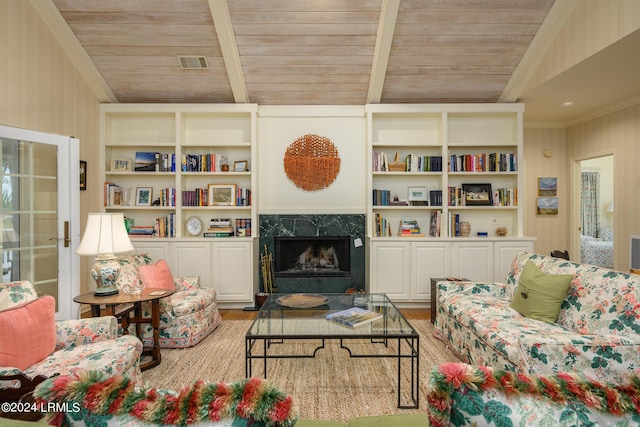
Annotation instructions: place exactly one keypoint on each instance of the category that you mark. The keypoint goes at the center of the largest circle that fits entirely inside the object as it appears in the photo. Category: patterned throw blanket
(251, 401)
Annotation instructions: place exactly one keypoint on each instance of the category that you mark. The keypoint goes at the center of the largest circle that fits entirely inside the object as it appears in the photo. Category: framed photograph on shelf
(143, 196)
(478, 194)
(418, 196)
(120, 165)
(146, 161)
(83, 175)
(240, 166)
(221, 194)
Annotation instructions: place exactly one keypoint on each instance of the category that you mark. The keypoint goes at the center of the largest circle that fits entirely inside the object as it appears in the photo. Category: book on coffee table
(354, 316)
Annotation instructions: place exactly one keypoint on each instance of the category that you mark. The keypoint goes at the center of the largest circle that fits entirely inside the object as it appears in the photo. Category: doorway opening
(597, 211)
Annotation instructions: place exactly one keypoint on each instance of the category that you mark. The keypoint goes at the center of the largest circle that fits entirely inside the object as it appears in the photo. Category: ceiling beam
(541, 42)
(386, 28)
(70, 44)
(229, 47)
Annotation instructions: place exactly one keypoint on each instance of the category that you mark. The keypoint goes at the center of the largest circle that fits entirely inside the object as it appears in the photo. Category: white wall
(279, 127)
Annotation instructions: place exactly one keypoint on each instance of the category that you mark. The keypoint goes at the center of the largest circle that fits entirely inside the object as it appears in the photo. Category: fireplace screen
(312, 256)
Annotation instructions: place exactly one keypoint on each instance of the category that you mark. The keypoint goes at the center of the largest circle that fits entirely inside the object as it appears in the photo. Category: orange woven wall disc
(312, 162)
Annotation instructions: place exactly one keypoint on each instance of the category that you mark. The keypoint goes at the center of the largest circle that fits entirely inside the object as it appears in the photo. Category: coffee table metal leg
(413, 355)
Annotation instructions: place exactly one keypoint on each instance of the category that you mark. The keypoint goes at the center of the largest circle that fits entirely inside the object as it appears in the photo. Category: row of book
(200, 197)
(483, 162)
(412, 163)
(381, 227)
(162, 227)
(506, 196)
(212, 162)
(148, 161)
(167, 197)
(225, 227)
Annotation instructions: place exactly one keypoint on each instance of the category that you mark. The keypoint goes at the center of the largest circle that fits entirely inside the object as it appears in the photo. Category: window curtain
(590, 211)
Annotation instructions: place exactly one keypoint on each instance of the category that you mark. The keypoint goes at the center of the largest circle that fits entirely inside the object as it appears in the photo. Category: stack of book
(141, 231)
(354, 317)
(243, 227)
(409, 228)
(219, 227)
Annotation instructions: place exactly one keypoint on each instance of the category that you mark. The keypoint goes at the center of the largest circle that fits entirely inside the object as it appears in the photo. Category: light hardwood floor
(409, 313)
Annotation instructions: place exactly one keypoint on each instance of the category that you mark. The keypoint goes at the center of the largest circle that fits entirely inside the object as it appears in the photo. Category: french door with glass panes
(40, 214)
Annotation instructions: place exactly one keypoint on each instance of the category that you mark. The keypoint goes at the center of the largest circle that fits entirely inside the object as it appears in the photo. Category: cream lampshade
(104, 236)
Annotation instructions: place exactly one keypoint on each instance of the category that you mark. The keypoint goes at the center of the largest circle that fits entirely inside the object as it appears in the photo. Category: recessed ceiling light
(568, 104)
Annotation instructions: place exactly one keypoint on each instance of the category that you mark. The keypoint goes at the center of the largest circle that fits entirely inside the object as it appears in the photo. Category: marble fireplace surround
(320, 225)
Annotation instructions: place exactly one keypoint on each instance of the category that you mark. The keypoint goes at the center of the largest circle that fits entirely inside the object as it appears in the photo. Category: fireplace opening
(311, 256)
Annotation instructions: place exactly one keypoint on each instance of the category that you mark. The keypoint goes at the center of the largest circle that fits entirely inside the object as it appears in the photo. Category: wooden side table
(434, 294)
(112, 301)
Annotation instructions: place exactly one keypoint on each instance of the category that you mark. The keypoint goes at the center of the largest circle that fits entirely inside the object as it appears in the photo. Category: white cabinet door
(233, 271)
(505, 252)
(428, 260)
(390, 263)
(473, 260)
(192, 259)
(155, 250)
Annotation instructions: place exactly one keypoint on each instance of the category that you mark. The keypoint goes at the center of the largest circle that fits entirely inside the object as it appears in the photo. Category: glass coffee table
(285, 318)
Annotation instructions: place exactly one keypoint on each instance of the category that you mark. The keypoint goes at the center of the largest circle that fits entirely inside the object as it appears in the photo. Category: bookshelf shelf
(484, 139)
(206, 136)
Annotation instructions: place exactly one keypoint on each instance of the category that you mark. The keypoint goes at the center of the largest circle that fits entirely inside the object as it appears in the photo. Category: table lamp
(104, 236)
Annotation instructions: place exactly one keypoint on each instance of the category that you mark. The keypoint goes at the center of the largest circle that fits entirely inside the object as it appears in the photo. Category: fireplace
(315, 252)
(311, 256)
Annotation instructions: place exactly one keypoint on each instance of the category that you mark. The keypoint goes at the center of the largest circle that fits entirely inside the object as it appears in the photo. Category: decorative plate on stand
(302, 300)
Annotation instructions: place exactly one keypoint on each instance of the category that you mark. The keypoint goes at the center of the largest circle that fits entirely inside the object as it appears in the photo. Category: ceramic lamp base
(105, 272)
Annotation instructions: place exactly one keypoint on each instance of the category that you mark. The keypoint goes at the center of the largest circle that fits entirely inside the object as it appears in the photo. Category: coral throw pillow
(28, 333)
(157, 276)
(539, 296)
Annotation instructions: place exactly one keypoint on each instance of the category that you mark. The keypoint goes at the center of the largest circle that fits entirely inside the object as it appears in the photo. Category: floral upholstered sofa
(91, 398)
(186, 317)
(597, 331)
(33, 344)
(461, 395)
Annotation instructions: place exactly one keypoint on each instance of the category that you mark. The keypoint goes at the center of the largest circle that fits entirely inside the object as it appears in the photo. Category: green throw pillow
(539, 296)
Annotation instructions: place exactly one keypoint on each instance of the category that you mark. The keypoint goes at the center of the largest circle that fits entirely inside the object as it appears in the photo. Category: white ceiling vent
(193, 62)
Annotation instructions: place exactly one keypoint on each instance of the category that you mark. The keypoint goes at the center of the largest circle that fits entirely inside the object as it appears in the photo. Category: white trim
(229, 47)
(384, 38)
(68, 188)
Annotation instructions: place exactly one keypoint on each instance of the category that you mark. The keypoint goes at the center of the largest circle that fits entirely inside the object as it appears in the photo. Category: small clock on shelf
(194, 226)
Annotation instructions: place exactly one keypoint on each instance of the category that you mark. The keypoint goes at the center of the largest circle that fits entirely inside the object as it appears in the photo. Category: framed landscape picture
(477, 194)
(547, 206)
(547, 187)
(222, 194)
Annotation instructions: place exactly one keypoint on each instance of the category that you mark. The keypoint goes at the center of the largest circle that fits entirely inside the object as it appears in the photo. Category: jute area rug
(331, 386)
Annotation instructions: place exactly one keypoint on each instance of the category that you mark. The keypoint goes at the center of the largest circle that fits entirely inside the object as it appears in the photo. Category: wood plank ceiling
(306, 52)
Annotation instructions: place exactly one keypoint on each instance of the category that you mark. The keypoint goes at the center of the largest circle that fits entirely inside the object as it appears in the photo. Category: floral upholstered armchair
(186, 317)
(34, 345)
